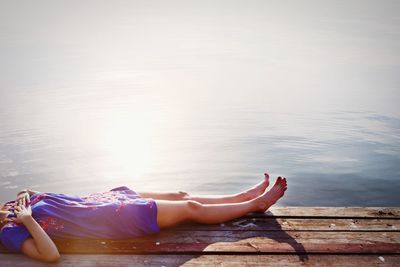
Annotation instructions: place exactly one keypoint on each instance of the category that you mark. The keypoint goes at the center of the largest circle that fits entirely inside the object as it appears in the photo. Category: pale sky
(347, 51)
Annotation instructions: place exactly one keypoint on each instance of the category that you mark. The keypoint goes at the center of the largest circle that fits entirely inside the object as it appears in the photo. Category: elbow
(51, 258)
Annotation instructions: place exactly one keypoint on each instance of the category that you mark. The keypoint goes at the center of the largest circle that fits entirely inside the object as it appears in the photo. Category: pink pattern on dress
(120, 206)
(11, 224)
(107, 197)
(50, 224)
(38, 198)
(104, 197)
(150, 204)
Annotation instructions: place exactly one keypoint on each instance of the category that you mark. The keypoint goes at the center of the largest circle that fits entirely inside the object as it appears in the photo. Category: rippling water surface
(202, 96)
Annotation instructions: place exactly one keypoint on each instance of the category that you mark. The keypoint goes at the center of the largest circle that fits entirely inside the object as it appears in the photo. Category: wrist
(26, 218)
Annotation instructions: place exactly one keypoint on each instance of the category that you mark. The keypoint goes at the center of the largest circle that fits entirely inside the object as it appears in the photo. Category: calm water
(202, 96)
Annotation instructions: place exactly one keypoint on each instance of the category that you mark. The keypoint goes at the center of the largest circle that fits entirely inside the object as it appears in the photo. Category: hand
(21, 211)
(3, 216)
(24, 195)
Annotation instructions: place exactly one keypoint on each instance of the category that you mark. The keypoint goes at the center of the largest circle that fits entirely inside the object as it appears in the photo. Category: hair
(2, 210)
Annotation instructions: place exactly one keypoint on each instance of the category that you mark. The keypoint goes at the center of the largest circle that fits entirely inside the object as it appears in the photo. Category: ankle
(260, 204)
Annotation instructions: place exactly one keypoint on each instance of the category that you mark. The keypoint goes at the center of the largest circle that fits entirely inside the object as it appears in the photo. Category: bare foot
(269, 198)
(258, 189)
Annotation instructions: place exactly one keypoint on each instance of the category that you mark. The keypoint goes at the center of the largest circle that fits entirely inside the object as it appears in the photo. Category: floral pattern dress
(117, 214)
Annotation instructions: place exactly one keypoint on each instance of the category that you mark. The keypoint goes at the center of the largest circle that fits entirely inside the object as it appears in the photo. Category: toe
(266, 179)
(278, 181)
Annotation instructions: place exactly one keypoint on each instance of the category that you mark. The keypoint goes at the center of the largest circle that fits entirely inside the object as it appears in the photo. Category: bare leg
(172, 212)
(236, 198)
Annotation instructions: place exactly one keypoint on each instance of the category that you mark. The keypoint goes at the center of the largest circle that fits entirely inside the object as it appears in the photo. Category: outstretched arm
(40, 246)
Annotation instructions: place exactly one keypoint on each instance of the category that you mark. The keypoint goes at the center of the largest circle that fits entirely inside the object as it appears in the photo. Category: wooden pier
(284, 236)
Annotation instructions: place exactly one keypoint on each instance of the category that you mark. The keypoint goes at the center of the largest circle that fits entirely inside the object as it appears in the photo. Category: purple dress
(117, 214)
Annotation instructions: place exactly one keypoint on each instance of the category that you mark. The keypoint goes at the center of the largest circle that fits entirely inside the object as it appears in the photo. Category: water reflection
(330, 159)
(145, 95)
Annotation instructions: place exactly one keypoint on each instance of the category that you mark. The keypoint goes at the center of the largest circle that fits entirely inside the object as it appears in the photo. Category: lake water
(202, 96)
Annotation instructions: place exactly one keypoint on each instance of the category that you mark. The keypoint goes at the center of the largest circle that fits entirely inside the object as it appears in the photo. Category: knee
(194, 207)
(182, 196)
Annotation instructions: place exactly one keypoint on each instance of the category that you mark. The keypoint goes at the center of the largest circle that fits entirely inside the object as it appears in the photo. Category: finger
(23, 202)
(27, 198)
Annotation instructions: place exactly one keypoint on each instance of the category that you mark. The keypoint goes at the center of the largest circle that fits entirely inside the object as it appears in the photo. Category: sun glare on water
(129, 142)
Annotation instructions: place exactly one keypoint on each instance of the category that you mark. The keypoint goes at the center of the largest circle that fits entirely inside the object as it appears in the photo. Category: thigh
(165, 195)
(171, 212)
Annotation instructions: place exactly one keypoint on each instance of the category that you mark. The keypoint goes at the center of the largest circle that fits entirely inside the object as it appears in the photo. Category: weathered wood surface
(242, 241)
(284, 236)
(332, 212)
(295, 224)
(207, 260)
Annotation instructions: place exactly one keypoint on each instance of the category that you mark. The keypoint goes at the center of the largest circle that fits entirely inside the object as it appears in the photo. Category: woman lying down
(29, 223)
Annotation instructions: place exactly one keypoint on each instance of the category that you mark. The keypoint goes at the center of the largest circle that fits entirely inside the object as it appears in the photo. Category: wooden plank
(293, 260)
(206, 260)
(99, 260)
(292, 224)
(306, 229)
(332, 212)
(241, 242)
